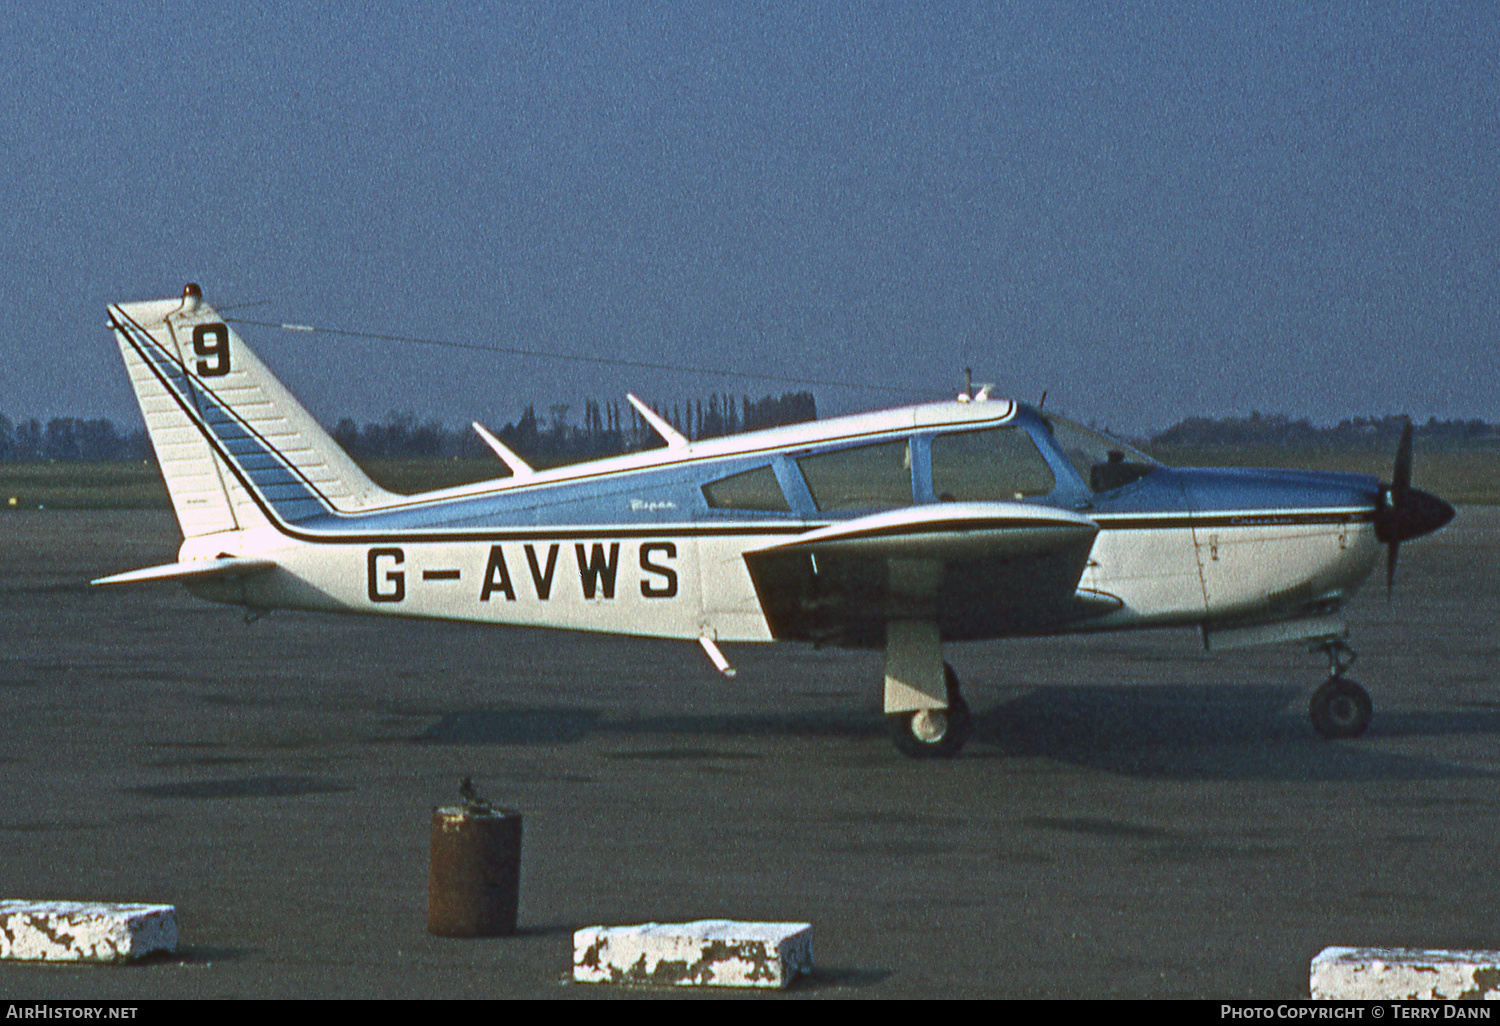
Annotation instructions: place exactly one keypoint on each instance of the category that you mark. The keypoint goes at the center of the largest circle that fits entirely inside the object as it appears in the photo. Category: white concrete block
(84, 931)
(709, 952)
(1376, 974)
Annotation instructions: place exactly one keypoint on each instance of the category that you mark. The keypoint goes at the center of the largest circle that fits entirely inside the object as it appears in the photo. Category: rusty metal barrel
(474, 871)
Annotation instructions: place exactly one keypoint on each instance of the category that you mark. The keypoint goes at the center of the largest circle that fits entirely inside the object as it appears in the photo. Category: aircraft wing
(192, 569)
(976, 569)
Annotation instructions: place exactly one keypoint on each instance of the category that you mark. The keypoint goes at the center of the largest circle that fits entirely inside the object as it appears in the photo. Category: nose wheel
(1339, 708)
(934, 733)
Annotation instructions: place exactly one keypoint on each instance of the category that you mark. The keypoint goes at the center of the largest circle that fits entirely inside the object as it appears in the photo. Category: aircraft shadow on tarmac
(1249, 732)
(1241, 732)
(563, 725)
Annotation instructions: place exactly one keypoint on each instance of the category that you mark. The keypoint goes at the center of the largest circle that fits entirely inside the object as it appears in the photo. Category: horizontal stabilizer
(194, 569)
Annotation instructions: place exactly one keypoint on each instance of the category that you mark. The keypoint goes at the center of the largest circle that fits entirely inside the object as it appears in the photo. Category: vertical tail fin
(236, 450)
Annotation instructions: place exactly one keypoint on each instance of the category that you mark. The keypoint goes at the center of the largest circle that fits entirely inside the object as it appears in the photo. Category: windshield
(1104, 463)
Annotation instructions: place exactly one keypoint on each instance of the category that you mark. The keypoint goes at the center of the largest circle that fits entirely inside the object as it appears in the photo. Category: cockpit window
(1104, 463)
(866, 477)
(996, 465)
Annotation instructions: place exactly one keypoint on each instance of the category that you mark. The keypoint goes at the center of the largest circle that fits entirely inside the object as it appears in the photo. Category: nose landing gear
(1339, 708)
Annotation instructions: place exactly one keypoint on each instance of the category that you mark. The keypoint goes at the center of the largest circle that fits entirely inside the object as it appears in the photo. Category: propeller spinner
(1403, 512)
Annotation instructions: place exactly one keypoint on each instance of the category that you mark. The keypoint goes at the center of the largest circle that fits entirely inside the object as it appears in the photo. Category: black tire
(1340, 708)
(934, 733)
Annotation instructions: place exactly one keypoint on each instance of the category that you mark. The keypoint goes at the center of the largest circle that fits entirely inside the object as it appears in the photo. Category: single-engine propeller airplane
(901, 529)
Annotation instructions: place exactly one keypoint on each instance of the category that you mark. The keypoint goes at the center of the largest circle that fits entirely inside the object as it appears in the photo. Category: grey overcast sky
(1149, 210)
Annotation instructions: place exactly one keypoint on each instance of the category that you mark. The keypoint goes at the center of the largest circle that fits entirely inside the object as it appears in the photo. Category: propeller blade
(1400, 490)
(1401, 476)
(1403, 512)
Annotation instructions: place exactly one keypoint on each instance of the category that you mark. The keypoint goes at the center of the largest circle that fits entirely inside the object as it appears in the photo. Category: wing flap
(949, 530)
(979, 570)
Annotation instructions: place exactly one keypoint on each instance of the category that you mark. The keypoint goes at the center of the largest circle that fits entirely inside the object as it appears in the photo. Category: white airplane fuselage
(1233, 548)
(904, 529)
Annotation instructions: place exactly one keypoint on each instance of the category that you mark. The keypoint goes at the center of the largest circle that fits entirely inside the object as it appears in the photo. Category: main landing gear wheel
(934, 733)
(1340, 708)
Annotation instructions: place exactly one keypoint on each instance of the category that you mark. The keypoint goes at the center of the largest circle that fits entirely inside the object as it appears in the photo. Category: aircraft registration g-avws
(901, 529)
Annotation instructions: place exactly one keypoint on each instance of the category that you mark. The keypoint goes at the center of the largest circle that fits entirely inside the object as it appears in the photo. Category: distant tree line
(613, 428)
(66, 439)
(606, 430)
(1277, 429)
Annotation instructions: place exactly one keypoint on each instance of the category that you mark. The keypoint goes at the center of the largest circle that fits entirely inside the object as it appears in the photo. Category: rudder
(235, 448)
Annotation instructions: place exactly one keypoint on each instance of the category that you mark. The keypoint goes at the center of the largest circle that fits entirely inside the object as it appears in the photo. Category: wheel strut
(1340, 655)
(1340, 708)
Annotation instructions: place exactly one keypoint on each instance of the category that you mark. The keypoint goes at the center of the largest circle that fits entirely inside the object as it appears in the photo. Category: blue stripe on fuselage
(1173, 498)
(1233, 489)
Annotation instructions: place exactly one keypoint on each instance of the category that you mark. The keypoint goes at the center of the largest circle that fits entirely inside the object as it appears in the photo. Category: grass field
(81, 486)
(1462, 475)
